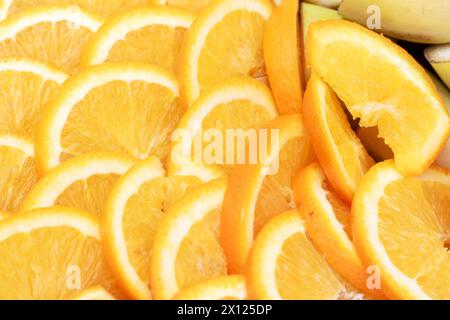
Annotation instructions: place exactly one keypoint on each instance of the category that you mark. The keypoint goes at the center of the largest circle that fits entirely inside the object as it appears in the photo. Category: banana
(311, 13)
(422, 21)
(439, 58)
(326, 3)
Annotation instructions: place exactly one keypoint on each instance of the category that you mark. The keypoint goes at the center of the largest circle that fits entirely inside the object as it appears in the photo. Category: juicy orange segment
(149, 35)
(238, 106)
(384, 86)
(18, 171)
(26, 86)
(339, 151)
(283, 264)
(63, 247)
(401, 225)
(56, 35)
(103, 8)
(226, 40)
(223, 288)
(84, 182)
(118, 107)
(256, 193)
(327, 221)
(94, 293)
(186, 248)
(137, 204)
(282, 57)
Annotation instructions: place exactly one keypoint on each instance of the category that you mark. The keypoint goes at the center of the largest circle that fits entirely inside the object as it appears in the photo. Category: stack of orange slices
(172, 149)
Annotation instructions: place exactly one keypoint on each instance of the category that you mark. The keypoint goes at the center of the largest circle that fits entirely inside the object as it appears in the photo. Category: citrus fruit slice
(284, 264)
(135, 208)
(103, 8)
(401, 225)
(226, 40)
(236, 106)
(56, 35)
(84, 182)
(327, 221)
(18, 171)
(186, 249)
(282, 57)
(26, 86)
(121, 107)
(339, 151)
(194, 5)
(384, 86)
(63, 251)
(149, 35)
(223, 288)
(258, 192)
(94, 293)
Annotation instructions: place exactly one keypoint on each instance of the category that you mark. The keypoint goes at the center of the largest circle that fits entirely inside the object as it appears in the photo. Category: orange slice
(282, 57)
(26, 86)
(84, 182)
(56, 35)
(226, 40)
(136, 205)
(63, 251)
(384, 86)
(401, 226)
(103, 8)
(284, 264)
(327, 221)
(223, 288)
(120, 107)
(256, 193)
(186, 248)
(18, 171)
(149, 35)
(238, 106)
(94, 293)
(339, 151)
(194, 5)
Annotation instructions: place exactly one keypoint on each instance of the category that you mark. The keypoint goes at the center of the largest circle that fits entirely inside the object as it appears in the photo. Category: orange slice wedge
(258, 192)
(339, 151)
(384, 86)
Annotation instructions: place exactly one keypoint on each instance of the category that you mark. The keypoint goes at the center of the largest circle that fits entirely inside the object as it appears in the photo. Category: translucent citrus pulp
(55, 35)
(18, 171)
(103, 8)
(84, 182)
(136, 206)
(94, 293)
(282, 57)
(236, 104)
(256, 193)
(64, 255)
(339, 151)
(186, 248)
(120, 107)
(402, 226)
(327, 221)
(226, 40)
(223, 288)
(384, 86)
(26, 86)
(149, 35)
(284, 264)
